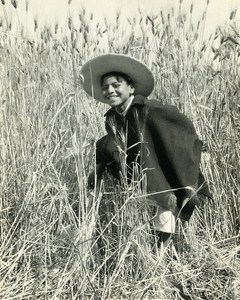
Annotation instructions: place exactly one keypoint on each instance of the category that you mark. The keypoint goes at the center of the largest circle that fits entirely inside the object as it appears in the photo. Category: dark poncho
(160, 141)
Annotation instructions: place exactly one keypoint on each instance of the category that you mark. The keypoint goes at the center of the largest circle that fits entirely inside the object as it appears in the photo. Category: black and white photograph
(119, 149)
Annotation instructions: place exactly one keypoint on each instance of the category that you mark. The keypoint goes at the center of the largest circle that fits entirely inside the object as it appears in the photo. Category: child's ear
(132, 89)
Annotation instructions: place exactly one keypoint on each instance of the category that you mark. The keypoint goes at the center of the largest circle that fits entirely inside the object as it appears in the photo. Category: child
(152, 138)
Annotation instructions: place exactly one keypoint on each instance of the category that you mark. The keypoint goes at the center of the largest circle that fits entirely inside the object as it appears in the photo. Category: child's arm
(95, 175)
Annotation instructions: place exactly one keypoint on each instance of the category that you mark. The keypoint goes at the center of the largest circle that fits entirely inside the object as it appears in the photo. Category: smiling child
(155, 138)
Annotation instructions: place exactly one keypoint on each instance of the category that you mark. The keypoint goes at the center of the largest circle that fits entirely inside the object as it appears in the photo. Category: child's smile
(116, 92)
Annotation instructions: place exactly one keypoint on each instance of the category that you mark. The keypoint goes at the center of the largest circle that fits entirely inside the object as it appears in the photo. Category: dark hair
(117, 75)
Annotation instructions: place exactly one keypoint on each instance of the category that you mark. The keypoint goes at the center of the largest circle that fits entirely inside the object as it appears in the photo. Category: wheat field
(60, 240)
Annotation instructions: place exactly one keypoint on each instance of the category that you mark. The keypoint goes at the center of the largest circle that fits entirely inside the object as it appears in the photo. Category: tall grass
(60, 240)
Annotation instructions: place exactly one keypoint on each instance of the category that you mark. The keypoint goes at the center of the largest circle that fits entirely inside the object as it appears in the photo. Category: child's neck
(127, 107)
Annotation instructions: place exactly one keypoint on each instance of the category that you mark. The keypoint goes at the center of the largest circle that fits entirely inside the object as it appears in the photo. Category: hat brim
(95, 68)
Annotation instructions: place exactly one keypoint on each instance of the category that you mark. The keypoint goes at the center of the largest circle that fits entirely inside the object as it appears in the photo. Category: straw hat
(95, 68)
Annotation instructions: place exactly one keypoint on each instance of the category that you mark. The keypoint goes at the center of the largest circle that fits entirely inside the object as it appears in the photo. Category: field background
(48, 128)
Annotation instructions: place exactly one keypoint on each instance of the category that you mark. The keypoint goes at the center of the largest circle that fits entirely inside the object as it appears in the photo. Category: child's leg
(162, 239)
(163, 227)
(165, 238)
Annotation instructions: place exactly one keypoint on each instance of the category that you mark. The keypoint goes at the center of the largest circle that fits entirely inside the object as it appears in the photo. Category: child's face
(116, 92)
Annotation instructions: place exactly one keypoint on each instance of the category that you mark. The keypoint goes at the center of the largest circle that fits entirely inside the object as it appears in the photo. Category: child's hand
(169, 202)
(91, 180)
(172, 202)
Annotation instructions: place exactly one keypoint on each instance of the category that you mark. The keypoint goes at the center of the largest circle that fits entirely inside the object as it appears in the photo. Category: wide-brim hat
(94, 69)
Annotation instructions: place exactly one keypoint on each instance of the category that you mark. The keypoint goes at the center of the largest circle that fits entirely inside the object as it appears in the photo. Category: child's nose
(110, 89)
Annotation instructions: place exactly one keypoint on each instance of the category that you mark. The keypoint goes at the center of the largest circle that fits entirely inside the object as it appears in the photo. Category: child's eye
(104, 88)
(116, 85)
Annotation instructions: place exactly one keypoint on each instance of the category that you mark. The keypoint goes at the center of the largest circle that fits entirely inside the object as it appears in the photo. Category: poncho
(160, 143)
